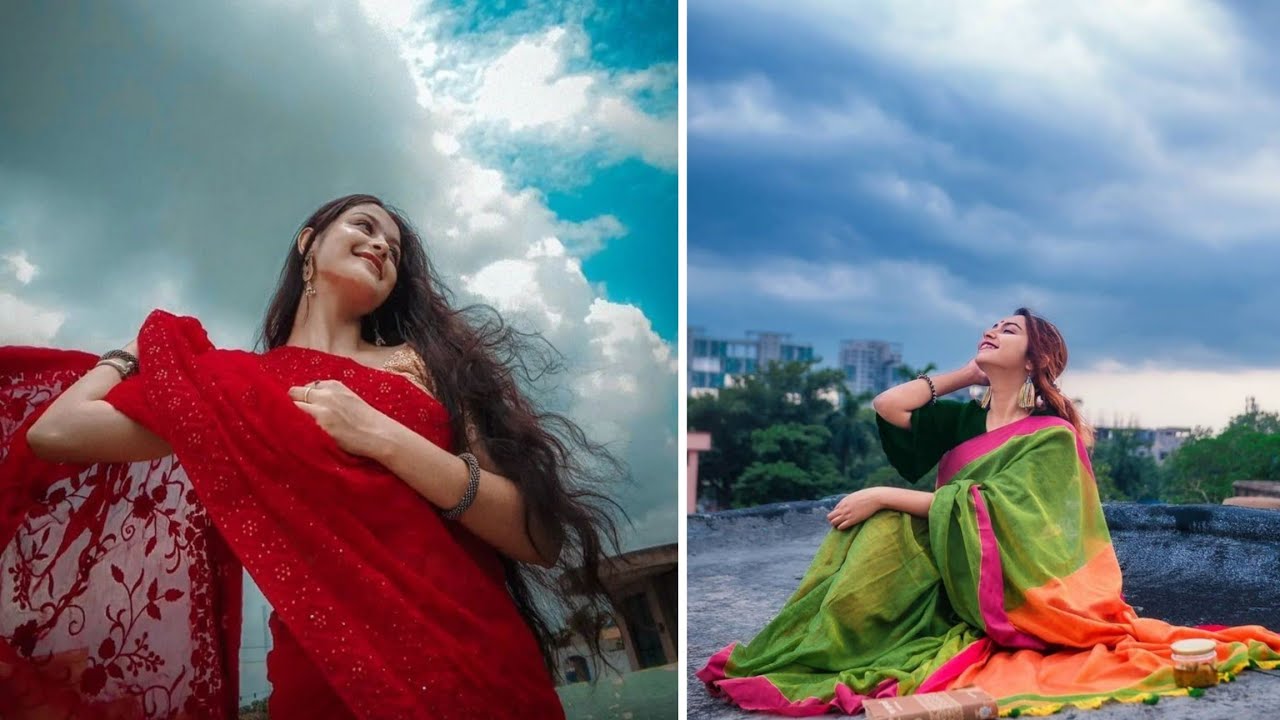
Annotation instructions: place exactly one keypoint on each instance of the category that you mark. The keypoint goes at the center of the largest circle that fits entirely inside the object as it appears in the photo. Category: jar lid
(1194, 646)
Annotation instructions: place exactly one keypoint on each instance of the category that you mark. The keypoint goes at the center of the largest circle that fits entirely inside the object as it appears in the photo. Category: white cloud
(1154, 396)
(24, 323)
(750, 107)
(538, 88)
(526, 87)
(849, 291)
(1128, 79)
(22, 268)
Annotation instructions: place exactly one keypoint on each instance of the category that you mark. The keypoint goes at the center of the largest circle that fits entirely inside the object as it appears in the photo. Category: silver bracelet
(122, 360)
(473, 484)
(114, 363)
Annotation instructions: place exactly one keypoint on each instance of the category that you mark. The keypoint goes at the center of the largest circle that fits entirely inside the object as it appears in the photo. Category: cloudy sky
(165, 159)
(913, 171)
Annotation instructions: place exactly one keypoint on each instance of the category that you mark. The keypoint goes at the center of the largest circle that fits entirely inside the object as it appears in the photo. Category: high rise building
(715, 362)
(870, 366)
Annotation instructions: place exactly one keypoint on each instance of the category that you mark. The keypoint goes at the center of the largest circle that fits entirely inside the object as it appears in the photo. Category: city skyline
(1105, 417)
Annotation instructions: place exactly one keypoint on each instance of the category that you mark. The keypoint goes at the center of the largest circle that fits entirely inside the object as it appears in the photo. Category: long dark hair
(476, 361)
(1047, 351)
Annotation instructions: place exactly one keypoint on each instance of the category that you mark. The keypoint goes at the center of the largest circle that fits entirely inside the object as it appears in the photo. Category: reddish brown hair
(1047, 352)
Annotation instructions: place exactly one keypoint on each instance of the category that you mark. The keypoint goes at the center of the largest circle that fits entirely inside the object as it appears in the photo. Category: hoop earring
(1027, 395)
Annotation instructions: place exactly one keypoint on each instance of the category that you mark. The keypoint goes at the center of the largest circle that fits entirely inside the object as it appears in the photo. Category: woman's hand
(976, 374)
(354, 424)
(856, 507)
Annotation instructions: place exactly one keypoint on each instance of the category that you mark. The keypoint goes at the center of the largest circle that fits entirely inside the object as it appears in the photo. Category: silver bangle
(127, 365)
(473, 484)
(117, 364)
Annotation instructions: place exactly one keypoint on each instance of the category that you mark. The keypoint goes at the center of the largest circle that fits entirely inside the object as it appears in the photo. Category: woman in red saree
(377, 471)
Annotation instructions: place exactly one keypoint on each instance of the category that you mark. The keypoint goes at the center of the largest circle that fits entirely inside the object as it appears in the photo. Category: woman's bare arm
(79, 426)
(912, 502)
(498, 514)
(896, 403)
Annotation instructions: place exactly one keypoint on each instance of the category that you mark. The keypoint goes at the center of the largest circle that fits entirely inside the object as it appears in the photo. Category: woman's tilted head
(362, 251)
(356, 255)
(1043, 358)
(1003, 347)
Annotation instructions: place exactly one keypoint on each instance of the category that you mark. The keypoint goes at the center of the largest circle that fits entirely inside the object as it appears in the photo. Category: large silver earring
(377, 336)
(1027, 395)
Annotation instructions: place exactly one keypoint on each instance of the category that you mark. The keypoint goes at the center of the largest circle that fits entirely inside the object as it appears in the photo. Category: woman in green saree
(1003, 577)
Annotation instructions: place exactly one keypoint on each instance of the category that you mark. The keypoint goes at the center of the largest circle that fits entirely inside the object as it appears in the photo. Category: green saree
(1011, 584)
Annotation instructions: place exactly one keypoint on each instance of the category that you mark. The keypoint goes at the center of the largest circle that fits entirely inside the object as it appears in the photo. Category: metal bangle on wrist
(125, 363)
(473, 484)
(933, 392)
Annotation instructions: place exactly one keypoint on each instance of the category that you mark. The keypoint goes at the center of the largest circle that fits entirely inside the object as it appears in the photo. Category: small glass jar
(1195, 663)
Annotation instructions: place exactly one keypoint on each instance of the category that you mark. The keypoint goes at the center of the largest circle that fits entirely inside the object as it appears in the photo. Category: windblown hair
(1047, 351)
(475, 362)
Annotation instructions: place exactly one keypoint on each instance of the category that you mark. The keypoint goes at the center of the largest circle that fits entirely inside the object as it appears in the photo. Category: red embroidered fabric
(120, 583)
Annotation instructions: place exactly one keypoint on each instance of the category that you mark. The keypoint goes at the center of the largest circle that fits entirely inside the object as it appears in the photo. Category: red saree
(120, 583)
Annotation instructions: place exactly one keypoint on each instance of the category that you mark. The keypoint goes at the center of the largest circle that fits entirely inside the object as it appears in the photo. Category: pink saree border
(991, 585)
(976, 652)
(758, 693)
(966, 452)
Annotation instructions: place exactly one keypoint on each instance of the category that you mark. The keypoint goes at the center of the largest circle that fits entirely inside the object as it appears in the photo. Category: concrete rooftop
(1186, 564)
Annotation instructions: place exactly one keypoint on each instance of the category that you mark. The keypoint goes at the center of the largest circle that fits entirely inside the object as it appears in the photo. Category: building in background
(714, 362)
(870, 366)
(1157, 443)
(641, 632)
(699, 442)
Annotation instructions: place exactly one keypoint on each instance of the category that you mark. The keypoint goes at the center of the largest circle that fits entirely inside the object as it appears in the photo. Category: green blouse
(935, 429)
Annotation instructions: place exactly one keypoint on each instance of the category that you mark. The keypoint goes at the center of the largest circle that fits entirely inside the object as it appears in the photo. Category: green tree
(1124, 467)
(852, 436)
(792, 462)
(788, 404)
(1204, 469)
(791, 392)
(906, 372)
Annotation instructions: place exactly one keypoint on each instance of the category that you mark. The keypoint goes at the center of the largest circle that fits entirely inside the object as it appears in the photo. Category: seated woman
(1003, 577)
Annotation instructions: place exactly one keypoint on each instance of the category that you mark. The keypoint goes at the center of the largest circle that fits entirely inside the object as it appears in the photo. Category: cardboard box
(971, 703)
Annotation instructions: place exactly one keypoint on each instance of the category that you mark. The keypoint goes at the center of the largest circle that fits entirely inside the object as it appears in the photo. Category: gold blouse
(405, 361)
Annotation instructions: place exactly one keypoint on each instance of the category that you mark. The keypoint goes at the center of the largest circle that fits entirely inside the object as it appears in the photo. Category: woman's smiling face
(360, 254)
(1004, 344)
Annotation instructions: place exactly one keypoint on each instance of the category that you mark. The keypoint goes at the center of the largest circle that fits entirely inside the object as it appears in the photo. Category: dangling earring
(377, 336)
(985, 402)
(308, 269)
(1027, 395)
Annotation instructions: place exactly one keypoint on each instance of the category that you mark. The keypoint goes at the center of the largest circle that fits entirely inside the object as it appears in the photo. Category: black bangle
(473, 484)
(933, 392)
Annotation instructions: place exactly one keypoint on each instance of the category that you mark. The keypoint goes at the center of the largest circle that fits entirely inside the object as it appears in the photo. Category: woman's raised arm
(896, 403)
(79, 426)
